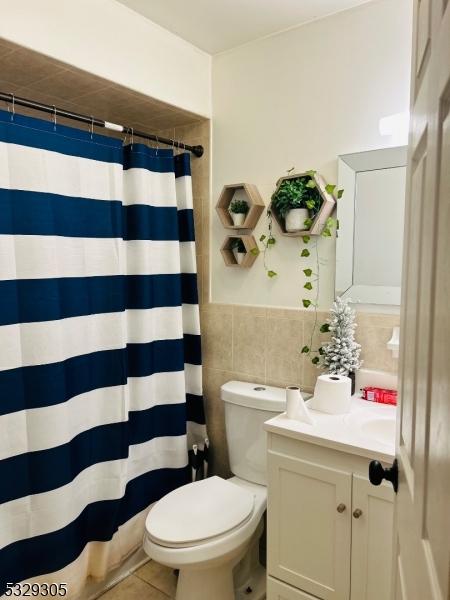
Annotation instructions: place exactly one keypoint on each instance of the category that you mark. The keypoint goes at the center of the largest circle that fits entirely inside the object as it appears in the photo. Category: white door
(308, 526)
(372, 527)
(423, 507)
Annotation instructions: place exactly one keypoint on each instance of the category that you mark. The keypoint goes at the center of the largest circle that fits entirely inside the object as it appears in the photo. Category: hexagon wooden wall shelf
(321, 217)
(254, 201)
(228, 254)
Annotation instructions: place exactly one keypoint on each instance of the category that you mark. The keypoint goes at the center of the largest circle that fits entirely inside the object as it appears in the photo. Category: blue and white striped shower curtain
(100, 366)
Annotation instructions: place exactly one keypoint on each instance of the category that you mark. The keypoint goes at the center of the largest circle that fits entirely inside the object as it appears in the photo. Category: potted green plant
(239, 251)
(238, 211)
(297, 200)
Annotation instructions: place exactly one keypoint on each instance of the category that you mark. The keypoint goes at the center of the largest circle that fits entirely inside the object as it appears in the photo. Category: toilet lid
(199, 511)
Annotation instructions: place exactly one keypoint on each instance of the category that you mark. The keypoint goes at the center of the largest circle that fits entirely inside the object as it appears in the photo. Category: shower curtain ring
(54, 117)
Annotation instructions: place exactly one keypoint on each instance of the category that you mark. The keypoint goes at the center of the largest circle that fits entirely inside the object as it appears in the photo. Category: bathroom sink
(380, 429)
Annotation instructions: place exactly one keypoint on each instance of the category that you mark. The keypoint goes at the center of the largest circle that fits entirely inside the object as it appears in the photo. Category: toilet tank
(247, 407)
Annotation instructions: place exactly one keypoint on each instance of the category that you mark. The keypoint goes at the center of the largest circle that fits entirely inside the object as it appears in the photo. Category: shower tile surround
(249, 343)
(37, 77)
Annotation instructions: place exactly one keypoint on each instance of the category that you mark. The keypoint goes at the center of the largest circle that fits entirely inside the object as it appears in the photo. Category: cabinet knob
(357, 513)
(341, 507)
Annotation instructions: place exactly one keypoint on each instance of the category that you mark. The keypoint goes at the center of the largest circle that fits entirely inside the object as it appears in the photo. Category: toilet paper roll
(295, 406)
(332, 394)
(293, 399)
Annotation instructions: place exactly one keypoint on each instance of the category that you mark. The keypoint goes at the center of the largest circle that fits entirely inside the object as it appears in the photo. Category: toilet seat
(199, 512)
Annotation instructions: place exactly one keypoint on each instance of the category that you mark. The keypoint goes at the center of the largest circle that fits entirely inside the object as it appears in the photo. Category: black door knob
(377, 473)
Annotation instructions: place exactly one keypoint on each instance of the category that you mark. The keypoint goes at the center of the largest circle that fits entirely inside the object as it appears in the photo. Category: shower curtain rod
(93, 121)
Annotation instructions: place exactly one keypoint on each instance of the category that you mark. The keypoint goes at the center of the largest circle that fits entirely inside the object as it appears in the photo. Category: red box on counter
(381, 395)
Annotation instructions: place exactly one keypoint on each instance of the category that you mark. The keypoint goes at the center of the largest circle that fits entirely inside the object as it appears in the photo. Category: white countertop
(368, 430)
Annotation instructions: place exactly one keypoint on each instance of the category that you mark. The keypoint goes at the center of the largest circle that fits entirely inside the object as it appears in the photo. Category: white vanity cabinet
(330, 532)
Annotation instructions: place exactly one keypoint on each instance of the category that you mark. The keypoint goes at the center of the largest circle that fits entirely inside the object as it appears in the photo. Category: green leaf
(308, 285)
(330, 188)
(307, 272)
(307, 223)
(271, 241)
(339, 194)
(311, 184)
(306, 303)
(310, 204)
(238, 207)
(311, 173)
(271, 274)
(262, 238)
(315, 360)
(306, 238)
(305, 350)
(254, 251)
(326, 232)
(325, 328)
(305, 252)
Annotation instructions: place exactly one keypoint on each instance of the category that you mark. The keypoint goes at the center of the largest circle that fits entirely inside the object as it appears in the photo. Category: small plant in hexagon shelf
(238, 210)
(302, 203)
(239, 250)
(239, 203)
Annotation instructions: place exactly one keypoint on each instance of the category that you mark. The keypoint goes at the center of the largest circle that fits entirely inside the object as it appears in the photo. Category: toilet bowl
(204, 529)
(210, 530)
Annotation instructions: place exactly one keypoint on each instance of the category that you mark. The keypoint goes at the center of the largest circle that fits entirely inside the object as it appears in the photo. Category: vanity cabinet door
(276, 590)
(372, 540)
(309, 525)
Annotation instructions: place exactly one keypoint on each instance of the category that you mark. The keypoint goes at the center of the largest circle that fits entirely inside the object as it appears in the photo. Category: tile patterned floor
(152, 581)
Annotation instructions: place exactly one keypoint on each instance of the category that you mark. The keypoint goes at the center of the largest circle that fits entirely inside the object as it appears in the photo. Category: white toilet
(210, 529)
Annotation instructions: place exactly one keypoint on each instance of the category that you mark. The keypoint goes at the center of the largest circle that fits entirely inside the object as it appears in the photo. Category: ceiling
(218, 25)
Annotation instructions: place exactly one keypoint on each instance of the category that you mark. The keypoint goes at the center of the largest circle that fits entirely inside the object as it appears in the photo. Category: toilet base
(249, 575)
(256, 583)
(218, 583)
(230, 580)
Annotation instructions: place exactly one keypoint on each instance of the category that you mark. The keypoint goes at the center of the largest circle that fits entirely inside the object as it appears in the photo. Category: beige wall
(300, 99)
(255, 343)
(249, 342)
(262, 345)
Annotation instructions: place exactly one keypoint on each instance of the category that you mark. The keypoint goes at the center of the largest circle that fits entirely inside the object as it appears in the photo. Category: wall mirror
(371, 219)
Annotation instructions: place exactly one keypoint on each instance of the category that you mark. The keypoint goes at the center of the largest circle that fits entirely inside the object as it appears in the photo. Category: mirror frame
(349, 165)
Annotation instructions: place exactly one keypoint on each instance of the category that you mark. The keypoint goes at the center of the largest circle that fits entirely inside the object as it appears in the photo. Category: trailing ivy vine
(313, 278)
(286, 199)
(268, 241)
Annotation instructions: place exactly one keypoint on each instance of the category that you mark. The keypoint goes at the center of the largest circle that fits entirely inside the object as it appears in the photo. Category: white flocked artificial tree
(340, 355)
